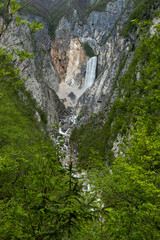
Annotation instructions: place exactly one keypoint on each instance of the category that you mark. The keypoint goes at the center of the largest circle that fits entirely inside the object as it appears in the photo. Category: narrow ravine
(69, 93)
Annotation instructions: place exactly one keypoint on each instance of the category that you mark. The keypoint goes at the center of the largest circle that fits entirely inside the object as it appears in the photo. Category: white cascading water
(89, 80)
(90, 72)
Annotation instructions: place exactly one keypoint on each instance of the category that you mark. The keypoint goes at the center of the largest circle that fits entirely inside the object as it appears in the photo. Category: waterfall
(90, 72)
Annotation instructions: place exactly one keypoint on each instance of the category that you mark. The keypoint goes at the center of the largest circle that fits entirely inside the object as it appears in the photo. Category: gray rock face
(99, 24)
(102, 32)
(111, 54)
(42, 79)
(60, 66)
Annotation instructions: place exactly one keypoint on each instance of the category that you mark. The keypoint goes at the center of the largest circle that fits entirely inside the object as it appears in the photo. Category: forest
(104, 196)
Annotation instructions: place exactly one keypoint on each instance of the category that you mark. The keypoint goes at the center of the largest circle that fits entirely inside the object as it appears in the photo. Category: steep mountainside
(90, 48)
(42, 79)
(80, 120)
(98, 44)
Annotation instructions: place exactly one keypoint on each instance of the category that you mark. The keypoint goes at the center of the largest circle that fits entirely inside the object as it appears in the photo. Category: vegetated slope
(143, 10)
(39, 198)
(102, 130)
(53, 11)
(127, 176)
(25, 155)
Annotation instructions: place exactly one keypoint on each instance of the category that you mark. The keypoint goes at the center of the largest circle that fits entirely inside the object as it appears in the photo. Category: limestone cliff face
(61, 66)
(62, 73)
(60, 48)
(76, 57)
(112, 53)
(70, 61)
(59, 59)
(73, 84)
(101, 30)
(99, 24)
(42, 79)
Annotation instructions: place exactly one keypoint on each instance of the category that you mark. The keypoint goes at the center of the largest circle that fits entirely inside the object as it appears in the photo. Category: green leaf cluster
(39, 199)
(129, 185)
(88, 50)
(143, 10)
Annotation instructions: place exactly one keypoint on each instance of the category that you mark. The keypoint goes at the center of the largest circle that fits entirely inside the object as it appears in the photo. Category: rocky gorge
(73, 76)
(80, 119)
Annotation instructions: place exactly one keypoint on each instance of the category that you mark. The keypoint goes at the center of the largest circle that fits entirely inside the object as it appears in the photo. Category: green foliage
(23, 150)
(39, 199)
(142, 11)
(100, 6)
(130, 191)
(156, 13)
(129, 188)
(2, 8)
(88, 50)
(95, 132)
(52, 12)
(74, 207)
(134, 95)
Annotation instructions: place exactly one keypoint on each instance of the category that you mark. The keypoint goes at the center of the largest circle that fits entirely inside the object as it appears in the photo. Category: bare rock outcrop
(42, 79)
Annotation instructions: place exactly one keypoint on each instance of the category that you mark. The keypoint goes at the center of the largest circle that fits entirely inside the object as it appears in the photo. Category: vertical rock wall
(101, 30)
(42, 79)
(62, 66)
